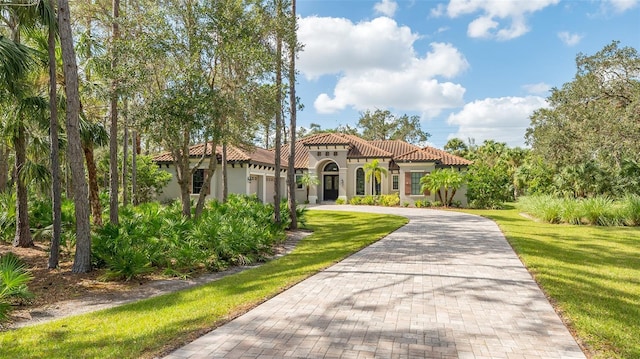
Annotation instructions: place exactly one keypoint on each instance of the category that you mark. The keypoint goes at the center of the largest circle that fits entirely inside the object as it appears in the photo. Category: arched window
(360, 182)
(331, 167)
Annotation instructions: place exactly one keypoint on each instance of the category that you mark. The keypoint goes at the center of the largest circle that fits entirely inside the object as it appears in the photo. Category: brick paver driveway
(447, 285)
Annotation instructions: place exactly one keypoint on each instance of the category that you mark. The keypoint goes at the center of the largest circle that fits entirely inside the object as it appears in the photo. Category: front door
(331, 185)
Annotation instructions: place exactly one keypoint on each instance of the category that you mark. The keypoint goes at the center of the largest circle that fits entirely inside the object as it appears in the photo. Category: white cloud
(621, 6)
(568, 38)
(503, 119)
(335, 45)
(378, 67)
(386, 7)
(540, 88)
(490, 24)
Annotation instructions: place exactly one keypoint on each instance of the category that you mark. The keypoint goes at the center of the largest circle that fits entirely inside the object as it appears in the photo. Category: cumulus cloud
(540, 88)
(503, 119)
(378, 67)
(499, 19)
(568, 38)
(386, 7)
(621, 6)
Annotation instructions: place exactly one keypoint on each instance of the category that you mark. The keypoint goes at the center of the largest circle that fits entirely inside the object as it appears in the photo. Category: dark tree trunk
(94, 196)
(134, 168)
(208, 175)
(113, 132)
(4, 167)
(278, 129)
(125, 154)
(291, 171)
(23, 233)
(56, 196)
(82, 261)
(225, 178)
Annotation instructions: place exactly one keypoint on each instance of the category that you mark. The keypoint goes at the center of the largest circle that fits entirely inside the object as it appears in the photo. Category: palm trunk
(113, 133)
(23, 233)
(291, 175)
(82, 260)
(56, 195)
(94, 197)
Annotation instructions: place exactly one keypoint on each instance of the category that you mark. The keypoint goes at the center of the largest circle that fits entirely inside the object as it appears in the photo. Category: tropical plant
(373, 173)
(443, 181)
(308, 180)
(13, 282)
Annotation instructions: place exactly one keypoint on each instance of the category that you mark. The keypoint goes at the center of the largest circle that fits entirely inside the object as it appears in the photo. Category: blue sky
(469, 68)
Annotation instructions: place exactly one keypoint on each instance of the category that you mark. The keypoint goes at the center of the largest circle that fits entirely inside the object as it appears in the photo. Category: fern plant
(13, 282)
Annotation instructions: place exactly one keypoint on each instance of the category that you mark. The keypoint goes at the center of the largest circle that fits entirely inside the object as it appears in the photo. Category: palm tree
(373, 173)
(308, 180)
(443, 180)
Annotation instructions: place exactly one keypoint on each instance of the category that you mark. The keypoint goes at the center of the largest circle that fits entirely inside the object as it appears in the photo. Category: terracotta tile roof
(325, 139)
(234, 154)
(417, 155)
(302, 155)
(446, 158)
(396, 147)
(364, 149)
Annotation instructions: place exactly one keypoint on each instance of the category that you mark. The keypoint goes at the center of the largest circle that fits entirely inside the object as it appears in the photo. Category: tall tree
(113, 110)
(383, 125)
(82, 260)
(293, 103)
(278, 117)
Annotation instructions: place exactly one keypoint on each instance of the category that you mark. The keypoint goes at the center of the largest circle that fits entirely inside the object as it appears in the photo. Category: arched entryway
(330, 182)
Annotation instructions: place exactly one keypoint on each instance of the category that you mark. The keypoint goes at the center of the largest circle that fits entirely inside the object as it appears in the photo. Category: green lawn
(150, 327)
(591, 274)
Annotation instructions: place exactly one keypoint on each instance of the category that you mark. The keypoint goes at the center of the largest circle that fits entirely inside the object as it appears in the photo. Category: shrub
(630, 210)
(420, 203)
(436, 204)
(13, 283)
(341, 201)
(599, 211)
(390, 200)
(369, 200)
(355, 200)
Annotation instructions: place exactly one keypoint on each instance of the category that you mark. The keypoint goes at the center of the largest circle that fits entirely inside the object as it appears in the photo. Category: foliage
(373, 173)
(389, 200)
(445, 182)
(589, 273)
(308, 180)
(588, 135)
(151, 327)
(600, 211)
(150, 179)
(13, 282)
(382, 125)
(369, 200)
(457, 147)
(240, 231)
(419, 203)
(355, 200)
(490, 177)
(341, 201)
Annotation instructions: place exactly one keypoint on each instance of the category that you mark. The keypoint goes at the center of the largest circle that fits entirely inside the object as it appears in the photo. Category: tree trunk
(4, 167)
(94, 196)
(291, 171)
(206, 186)
(82, 260)
(113, 132)
(278, 129)
(134, 168)
(56, 196)
(23, 233)
(225, 177)
(125, 154)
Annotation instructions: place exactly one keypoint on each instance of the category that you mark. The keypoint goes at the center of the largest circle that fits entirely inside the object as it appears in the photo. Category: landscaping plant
(13, 282)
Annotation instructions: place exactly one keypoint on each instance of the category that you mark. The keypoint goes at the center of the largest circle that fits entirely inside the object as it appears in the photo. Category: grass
(153, 326)
(591, 274)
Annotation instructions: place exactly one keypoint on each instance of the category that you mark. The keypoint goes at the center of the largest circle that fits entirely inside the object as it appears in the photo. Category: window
(395, 182)
(359, 182)
(335, 154)
(415, 183)
(331, 167)
(298, 183)
(198, 180)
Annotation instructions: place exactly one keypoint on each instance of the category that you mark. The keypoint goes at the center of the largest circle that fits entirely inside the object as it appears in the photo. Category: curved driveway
(446, 285)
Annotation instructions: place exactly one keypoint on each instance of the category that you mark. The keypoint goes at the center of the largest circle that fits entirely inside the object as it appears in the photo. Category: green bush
(630, 210)
(341, 201)
(369, 200)
(600, 211)
(436, 204)
(149, 236)
(355, 200)
(390, 200)
(13, 282)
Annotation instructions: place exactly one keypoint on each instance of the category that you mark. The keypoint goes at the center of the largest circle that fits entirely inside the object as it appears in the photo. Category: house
(336, 159)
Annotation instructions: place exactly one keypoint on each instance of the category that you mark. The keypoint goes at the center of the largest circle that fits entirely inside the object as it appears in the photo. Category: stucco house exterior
(337, 160)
